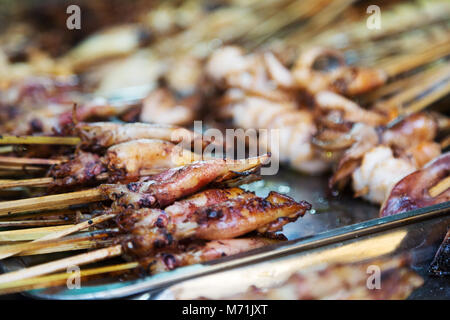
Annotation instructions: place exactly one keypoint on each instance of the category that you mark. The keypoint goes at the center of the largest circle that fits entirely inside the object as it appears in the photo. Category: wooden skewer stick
(42, 182)
(7, 139)
(70, 213)
(440, 187)
(53, 236)
(61, 264)
(29, 234)
(57, 201)
(6, 149)
(405, 63)
(423, 86)
(59, 245)
(36, 182)
(76, 242)
(419, 105)
(61, 278)
(23, 168)
(32, 223)
(445, 143)
(19, 160)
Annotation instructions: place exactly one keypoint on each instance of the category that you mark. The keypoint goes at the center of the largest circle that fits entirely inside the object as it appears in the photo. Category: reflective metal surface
(334, 222)
(420, 239)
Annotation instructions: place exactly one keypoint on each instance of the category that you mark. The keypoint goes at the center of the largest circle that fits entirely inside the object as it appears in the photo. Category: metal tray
(420, 239)
(331, 221)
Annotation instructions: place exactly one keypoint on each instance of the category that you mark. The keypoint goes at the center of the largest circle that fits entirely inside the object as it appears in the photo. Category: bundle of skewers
(72, 162)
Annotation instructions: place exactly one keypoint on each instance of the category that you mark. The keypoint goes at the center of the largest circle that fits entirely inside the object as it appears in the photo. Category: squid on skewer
(416, 189)
(264, 94)
(232, 214)
(260, 96)
(127, 160)
(199, 252)
(162, 222)
(377, 159)
(96, 135)
(321, 69)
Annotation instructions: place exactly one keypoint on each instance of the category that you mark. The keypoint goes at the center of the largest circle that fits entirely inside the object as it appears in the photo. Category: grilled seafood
(295, 130)
(260, 96)
(127, 160)
(160, 106)
(413, 191)
(377, 159)
(342, 282)
(199, 252)
(166, 187)
(151, 229)
(105, 134)
(341, 109)
(55, 117)
(320, 69)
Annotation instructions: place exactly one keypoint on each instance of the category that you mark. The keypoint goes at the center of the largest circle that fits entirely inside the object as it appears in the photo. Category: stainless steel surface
(420, 239)
(334, 221)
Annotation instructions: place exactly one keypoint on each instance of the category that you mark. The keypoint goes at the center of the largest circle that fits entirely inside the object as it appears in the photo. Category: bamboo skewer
(35, 215)
(32, 223)
(53, 236)
(6, 149)
(398, 85)
(18, 160)
(36, 182)
(430, 98)
(8, 139)
(62, 264)
(400, 65)
(51, 202)
(46, 181)
(61, 278)
(431, 83)
(23, 168)
(440, 187)
(59, 245)
(29, 234)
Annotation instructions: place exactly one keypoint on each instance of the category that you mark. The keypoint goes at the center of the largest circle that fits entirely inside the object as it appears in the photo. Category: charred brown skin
(82, 169)
(412, 138)
(199, 252)
(100, 135)
(163, 189)
(153, 229)
(412, 192)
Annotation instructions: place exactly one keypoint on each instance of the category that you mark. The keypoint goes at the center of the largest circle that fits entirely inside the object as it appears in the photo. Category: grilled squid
(166, 187)
(340, 109)
(321, 69)
(122, 161)
(376, 159)
(260, 96)
(200, 252)
(416, 189)
(106, 134)
(55, 117)
(287, 135)
(161, 106)
(152, 229)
